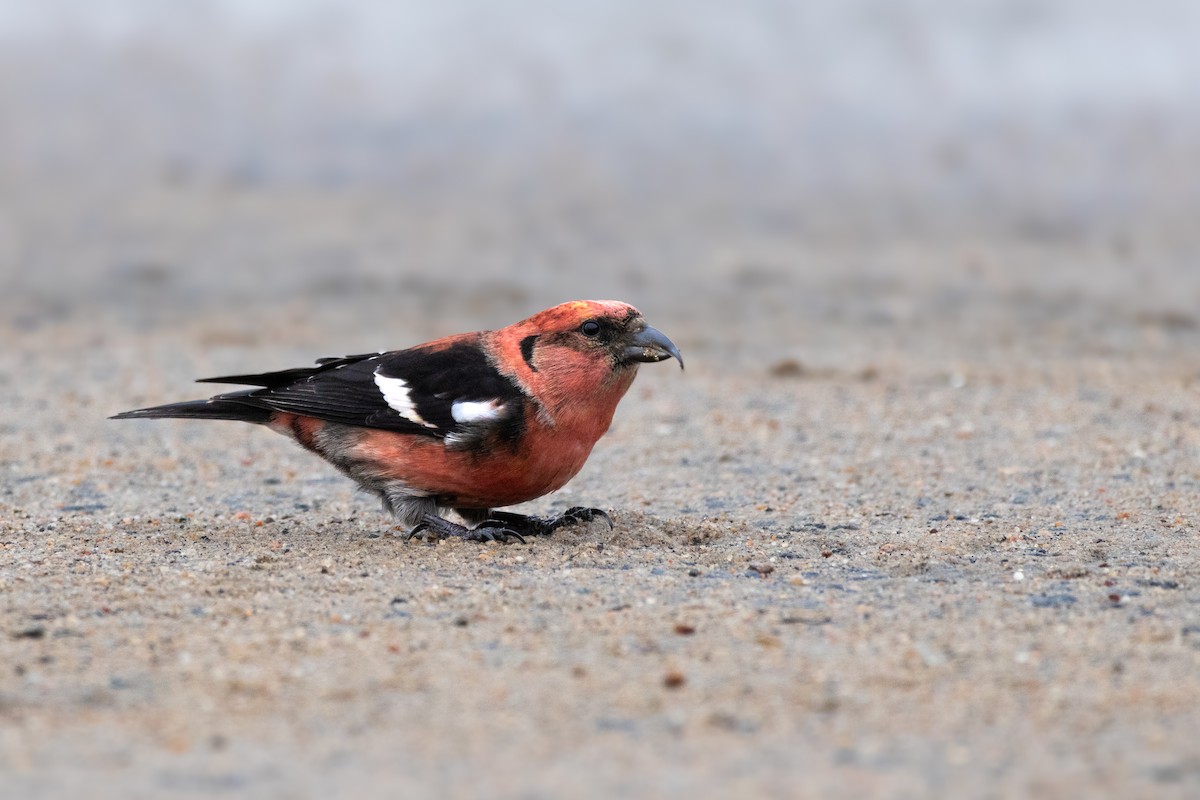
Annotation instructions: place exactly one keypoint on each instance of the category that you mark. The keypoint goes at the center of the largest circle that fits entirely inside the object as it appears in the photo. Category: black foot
(487, 531)
(544, 526)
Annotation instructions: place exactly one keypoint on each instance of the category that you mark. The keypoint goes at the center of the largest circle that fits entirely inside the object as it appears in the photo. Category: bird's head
(582, 349)
(599, 329)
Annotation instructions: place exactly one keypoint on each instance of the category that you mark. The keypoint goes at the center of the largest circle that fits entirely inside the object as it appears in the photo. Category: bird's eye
(590, 328)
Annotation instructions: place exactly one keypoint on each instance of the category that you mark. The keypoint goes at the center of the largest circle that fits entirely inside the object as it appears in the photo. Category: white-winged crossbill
(466, 423)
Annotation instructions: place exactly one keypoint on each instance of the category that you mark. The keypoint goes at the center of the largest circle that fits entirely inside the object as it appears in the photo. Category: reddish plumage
(469, 422)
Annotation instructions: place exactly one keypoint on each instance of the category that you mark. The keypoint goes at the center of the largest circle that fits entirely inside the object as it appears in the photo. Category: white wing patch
(468, 411)
(395, 393)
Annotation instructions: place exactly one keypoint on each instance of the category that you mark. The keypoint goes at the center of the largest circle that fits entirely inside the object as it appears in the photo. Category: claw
(503, 525)
(582, 514)
(440, 529)
(497, 531)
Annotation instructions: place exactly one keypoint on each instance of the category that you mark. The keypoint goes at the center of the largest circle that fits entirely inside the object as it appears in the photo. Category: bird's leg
(442, 528)
(543, 526)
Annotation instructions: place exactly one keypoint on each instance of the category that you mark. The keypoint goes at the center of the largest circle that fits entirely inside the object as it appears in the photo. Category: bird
(468, 423)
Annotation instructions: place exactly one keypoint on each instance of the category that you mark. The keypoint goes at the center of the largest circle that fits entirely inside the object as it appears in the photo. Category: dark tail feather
(267, 379)
(288, 376)
(222, 407)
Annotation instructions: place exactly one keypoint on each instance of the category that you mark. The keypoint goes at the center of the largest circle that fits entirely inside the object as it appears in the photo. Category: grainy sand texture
(919, 519)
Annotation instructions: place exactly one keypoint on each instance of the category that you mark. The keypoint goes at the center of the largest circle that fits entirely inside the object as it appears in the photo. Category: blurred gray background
(167, 158)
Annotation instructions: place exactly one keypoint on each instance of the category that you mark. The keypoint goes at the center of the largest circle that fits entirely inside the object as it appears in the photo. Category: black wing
(450, 392)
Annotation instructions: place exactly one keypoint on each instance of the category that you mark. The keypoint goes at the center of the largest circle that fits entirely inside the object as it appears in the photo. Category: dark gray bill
(651, 345)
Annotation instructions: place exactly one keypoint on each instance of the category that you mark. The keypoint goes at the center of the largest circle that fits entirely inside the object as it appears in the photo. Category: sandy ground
(919, 519)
